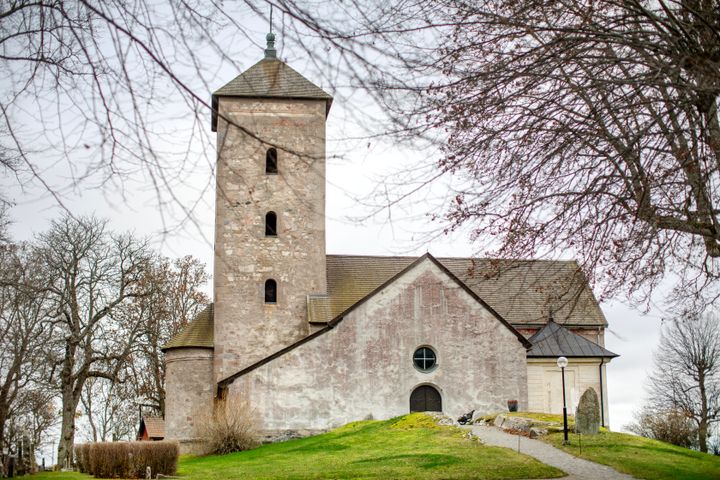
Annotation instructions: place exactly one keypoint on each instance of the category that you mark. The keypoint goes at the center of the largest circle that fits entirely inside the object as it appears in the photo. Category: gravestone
(587, 416)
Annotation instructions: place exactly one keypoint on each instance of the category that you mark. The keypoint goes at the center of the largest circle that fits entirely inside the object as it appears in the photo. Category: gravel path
(576, 468)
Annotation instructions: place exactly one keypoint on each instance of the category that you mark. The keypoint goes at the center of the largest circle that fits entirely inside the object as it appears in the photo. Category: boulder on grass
(587, 416)
(518, 424)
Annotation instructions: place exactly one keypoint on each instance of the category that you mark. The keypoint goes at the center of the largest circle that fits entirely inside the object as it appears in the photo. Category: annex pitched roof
(155, 427)
(554, 340)
(269, 78)
(523, 292)
(198, 333)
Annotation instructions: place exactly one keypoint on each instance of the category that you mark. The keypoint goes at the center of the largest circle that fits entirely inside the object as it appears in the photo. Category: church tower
(270, 211)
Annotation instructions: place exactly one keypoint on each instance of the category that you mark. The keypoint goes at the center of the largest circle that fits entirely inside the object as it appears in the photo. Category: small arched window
(270, 291)
(271, 164)
(270, 224)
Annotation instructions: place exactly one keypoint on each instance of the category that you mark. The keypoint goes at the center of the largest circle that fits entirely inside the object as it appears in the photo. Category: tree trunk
(702, 436)
(703, 422)
(3, 416)
(67, 430)
(3, 419)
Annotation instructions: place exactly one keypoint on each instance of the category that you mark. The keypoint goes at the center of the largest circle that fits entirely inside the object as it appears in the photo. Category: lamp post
(562, 362)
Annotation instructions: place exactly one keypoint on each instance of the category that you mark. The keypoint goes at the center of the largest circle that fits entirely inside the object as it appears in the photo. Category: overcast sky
(355, 168)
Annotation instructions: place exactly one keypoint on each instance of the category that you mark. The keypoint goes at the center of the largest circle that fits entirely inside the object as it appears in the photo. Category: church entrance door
(425, 399)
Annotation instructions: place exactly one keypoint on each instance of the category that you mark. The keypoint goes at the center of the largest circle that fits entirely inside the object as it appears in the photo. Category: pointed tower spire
(270, 51)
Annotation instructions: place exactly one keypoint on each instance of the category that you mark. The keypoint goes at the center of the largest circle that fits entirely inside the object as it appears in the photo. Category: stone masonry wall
(246, 328)
(189, 392)
(364, 368)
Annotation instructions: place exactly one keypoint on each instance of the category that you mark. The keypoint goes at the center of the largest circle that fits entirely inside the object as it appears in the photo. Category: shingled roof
(269, 78)
(524, 292)
(198, 333)
(554, 340)
(155, 427)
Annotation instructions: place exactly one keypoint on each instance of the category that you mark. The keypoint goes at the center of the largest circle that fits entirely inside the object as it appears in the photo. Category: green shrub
(127, 459)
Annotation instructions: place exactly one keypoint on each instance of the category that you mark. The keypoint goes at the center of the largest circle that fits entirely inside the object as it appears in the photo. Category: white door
(553, 387)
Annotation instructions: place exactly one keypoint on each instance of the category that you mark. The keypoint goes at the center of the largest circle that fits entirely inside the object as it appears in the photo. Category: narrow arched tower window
(270, 224)
(271, 164)
(270, 291)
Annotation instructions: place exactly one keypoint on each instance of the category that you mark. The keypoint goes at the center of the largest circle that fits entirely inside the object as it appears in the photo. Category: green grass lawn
(407, 447)
(59, 476)
(414, 447)
(543, 417)
(640, 457)
(540, 417)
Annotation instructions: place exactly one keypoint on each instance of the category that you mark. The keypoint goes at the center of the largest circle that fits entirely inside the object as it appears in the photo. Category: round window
(424, 358)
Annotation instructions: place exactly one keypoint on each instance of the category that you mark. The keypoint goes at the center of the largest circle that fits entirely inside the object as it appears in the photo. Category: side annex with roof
(312, 341)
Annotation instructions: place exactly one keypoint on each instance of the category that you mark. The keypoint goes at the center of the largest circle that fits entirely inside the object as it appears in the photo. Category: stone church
(312, 341)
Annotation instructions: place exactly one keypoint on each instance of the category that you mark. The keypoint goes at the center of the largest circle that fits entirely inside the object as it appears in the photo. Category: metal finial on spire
(270, 51)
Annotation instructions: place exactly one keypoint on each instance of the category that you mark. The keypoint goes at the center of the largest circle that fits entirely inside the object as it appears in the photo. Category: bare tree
(581, 127)
(110, 408)
(83, 80)
(175, 300)
(687, 373)
(31, 419)
(23, 337)
(671, 426)
(561, 127)
(98, 93)
(90, 274)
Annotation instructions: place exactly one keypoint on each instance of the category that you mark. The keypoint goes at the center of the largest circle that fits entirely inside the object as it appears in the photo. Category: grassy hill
(415, 447)
(408, 447)
(412, 446)
(640, 457)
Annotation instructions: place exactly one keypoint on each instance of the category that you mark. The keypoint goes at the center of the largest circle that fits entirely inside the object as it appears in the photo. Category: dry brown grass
(230, 428)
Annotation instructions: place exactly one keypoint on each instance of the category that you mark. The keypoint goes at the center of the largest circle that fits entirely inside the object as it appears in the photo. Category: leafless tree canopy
(90, 275)
(671, 426)
(84, 312)
(687, 374)
(588, 128)
(94, 91)
(581, 128)
(25, 401)
(175, 299)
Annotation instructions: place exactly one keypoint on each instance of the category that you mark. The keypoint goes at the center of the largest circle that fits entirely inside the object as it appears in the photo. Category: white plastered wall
(545, 384)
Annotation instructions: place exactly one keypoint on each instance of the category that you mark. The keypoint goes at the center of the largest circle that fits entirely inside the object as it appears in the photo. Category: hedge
(127, 459)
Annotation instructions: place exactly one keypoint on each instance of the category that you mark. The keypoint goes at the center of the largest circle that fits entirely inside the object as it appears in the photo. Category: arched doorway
(425, 399)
